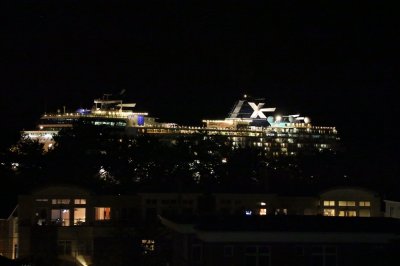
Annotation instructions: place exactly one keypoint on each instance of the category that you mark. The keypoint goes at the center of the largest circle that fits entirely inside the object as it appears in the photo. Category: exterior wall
(299, 205)
(239, 203)
(9, 237)
(299, 254)
(44, 237)
(4, 239)
(350, 202)
(13, 236)
(70, 240)
(152, 204)
(392, 209)
(282, 248)
(39, 234)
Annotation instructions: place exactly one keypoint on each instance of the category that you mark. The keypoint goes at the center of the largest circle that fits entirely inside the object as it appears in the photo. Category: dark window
(64, 247)
(299, 250)
(228, 251)
(323, 256)
(151, 213)
(197, 253)
(257, 256)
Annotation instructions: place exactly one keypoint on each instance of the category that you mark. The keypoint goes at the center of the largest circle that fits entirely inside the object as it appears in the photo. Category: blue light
(140, 120)
(248, 213)
(83, 111)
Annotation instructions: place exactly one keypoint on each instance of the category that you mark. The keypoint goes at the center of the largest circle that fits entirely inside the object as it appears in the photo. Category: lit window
(79, 216)
(103, 213)
(329, 203)
(365, 204)
(281, 212)
(42, 200)
(41, 216)
(347, 203)
(351, 203)
(60, 217)
(80, 201)
(364, 213)
(263, 211)
(329, 212)
(347, 213)
(148, 245)
(60, 201)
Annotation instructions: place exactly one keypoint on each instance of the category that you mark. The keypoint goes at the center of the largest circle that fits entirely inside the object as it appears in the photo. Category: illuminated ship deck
(246, 126)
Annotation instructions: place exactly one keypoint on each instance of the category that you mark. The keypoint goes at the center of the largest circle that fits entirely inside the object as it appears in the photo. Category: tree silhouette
(109, 160)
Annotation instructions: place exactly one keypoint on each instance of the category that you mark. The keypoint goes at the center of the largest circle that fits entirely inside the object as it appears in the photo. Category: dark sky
(187, 60)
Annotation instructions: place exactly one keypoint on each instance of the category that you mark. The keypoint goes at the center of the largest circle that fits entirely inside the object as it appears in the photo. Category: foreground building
(350, 202)
(247, 125)
(392, 207)
(284, 240)
(71, 225)
(9, 236)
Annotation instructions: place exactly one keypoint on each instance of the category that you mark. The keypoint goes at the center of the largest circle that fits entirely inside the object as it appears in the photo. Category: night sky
(182, 62)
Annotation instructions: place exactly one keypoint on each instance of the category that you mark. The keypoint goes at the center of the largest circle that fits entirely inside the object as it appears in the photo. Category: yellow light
(81, 260)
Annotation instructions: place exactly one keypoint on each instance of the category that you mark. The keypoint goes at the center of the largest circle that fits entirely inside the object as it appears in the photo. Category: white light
(248, 212)
(278, 118)
(262, 203)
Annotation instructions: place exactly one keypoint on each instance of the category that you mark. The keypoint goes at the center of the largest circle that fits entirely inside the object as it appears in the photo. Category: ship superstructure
(249, 124)
(105, 112)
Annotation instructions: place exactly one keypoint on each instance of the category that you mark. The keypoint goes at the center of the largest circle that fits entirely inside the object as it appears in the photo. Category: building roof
(339, 188)
(288, 223)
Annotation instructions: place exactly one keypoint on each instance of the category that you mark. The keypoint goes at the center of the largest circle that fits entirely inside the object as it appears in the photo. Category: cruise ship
(249, 124)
